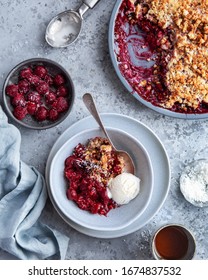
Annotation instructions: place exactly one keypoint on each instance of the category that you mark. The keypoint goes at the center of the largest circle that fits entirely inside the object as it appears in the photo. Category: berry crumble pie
(171, 37)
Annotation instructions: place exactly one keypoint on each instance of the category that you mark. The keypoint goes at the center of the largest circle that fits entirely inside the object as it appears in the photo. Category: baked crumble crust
(101, 158)
(187, 73)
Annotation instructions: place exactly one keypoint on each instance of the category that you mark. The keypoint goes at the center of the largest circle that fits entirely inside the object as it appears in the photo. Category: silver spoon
(90, 104)
(65, 28)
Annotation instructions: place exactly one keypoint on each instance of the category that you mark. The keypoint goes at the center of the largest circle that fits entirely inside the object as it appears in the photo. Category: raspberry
(42, 88)
(53, 114)
(50, 97)
(59, 80)
(40, 71)
(96, 207)
(12, 90)
(34, 96)
(24, 86)
(18, 100)
(72, 194)
(79, 150)
(25, 73)
(41, 114)
(31, 107)
(61, 104)
(62, 91)
(34, 80)
(48, 79)
(20, 112)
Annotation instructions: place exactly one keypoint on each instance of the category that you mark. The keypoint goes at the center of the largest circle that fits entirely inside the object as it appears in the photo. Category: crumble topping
(182, 46)
(101, 159)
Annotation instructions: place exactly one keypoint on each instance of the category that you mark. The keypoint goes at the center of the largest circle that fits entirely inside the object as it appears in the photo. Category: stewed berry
(62, 91)
(12, 90)
(40, 71)
(41, 113)
(34, 96)
(34, 80)
(61, 104)
(23, 86)
(42, 88)
(48, 79)
(50, 97)
(25, 73)
(18, 100)
(59, 80)
(20, 112)
(53, 114)
(31, 107)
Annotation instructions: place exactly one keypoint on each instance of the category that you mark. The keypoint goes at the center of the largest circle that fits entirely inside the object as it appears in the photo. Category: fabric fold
(23, 195)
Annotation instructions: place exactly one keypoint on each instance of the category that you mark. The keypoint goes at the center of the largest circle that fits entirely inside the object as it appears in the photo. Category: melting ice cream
(123, 188)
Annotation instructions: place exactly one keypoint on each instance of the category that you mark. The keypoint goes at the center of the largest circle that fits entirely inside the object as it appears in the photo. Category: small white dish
(117, 218)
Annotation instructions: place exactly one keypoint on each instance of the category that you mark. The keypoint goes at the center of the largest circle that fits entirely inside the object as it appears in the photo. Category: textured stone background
(22, 30)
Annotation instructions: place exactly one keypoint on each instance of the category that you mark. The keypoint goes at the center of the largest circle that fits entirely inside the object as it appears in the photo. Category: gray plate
(112, 49)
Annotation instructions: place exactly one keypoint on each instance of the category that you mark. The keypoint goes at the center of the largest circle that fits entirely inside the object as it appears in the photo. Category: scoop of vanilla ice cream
(124, 187)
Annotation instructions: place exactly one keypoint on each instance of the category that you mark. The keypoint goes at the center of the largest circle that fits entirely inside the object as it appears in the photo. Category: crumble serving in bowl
(89, 170)
(161, 50)
(97, 178)
(65, 163)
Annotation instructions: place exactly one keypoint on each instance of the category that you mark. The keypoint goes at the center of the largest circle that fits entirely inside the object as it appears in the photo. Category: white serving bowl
(117, 218)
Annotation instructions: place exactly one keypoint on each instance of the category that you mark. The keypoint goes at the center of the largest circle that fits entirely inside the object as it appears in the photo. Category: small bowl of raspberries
(38, 93)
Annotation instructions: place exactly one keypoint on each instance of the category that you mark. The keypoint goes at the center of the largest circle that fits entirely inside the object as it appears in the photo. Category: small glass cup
(173, 242)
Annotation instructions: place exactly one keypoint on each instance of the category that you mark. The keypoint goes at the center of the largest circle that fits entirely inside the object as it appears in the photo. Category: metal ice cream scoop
(65, 28)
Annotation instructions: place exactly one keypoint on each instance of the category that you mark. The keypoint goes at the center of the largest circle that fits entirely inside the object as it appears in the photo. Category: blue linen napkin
(23, 196)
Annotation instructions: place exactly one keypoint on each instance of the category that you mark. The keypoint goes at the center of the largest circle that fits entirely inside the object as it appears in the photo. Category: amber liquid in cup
(171, 243)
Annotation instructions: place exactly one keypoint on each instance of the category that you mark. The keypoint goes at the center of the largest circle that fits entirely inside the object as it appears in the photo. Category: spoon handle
(90, 104)
(90, 3)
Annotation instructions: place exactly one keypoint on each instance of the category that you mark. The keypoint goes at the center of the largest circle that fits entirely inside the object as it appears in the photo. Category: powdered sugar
(194, 183)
